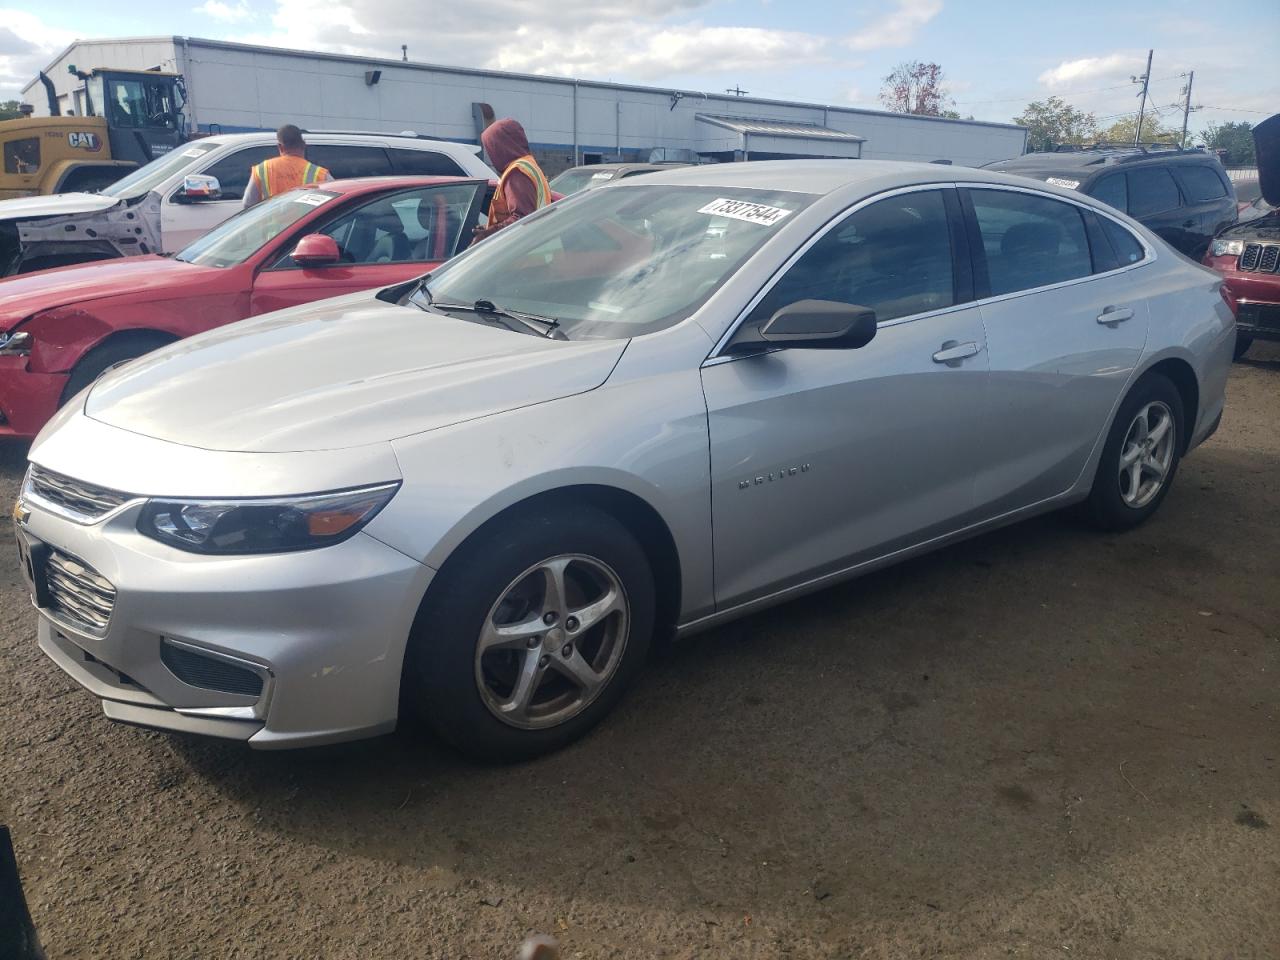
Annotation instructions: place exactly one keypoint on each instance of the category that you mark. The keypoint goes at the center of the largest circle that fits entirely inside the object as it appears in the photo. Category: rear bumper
(27, 400)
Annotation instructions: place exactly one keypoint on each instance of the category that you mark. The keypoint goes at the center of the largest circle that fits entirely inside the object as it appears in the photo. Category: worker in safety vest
(283, 173)
(523, 187)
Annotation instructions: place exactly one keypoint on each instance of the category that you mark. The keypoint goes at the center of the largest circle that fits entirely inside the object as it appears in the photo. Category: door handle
(953, 351)
(1188, 224)
(1110, 315)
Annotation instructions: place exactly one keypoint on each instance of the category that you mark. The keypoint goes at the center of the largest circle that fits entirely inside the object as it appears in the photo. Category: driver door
(183, 222)
(821, 459)
(383, 241)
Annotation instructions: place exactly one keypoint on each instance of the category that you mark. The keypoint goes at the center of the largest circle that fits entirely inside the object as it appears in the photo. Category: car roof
(356, 185)
(1090, 161)
(822, 176)
(319, 136)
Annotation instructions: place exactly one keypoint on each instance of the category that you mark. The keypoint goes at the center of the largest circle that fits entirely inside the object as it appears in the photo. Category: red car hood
(28, 294)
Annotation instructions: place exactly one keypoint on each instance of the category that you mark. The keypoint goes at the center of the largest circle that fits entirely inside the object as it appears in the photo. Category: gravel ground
(1042, 743)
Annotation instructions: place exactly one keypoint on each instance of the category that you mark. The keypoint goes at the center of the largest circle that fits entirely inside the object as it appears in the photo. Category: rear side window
(350, 161)
(1030, 241)
(893, 256)
(22, 156)
(1200, 183)
(424, 163)
(1126, 246)
(1111, 191)
(1151, 191)
(232, 170)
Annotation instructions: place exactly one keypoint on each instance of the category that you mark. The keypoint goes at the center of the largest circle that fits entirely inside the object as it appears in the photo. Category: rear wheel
(531, 633)
(1141, 455)
(111, 354)
(1243, 342)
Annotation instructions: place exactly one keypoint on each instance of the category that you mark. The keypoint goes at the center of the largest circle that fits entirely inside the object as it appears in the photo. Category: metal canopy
(748, 135)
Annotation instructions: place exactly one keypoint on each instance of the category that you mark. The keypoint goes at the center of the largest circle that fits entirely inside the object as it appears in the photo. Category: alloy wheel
(1146, 455)
(552, 642)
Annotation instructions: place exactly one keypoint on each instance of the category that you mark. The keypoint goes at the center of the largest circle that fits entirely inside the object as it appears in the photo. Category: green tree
(1154, 130)
(1054, 121)
(9, 110)
(915, 87)
(1234, 137)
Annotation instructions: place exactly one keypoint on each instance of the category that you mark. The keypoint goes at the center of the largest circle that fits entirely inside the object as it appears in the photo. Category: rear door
(1156, 201)
(821, 459)
(1209, 197)
(1065, 321)
(383, 240)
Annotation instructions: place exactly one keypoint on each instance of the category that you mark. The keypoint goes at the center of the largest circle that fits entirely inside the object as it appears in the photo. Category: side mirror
(316, 250)
(820, 325)
(199, 188)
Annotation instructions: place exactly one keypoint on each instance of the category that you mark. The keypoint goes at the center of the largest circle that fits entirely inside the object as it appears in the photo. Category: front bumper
(27, 400)
(1257, 296)
(325, 630)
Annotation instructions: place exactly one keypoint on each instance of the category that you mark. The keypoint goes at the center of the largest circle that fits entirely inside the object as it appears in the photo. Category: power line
(1065, 93)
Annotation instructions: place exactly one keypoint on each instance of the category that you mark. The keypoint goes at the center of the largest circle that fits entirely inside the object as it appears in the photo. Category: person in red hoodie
(523, 187)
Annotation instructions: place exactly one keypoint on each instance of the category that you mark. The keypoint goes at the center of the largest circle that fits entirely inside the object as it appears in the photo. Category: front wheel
(531, 633)
(1141, 455)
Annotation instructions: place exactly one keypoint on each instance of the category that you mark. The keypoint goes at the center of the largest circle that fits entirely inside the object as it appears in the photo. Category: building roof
(778, 128)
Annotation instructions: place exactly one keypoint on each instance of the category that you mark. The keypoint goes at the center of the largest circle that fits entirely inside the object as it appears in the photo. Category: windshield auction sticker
(313, 199)
(742, 210)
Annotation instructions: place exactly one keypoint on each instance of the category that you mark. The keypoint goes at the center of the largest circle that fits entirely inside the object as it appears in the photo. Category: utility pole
(1145, 80)
(404, 52)
(737, 91)
(1186, 108)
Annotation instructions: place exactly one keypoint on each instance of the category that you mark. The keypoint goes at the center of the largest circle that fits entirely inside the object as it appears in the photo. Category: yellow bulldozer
(127, 118)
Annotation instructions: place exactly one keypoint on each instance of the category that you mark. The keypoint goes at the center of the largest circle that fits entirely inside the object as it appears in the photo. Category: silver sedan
(641, 412)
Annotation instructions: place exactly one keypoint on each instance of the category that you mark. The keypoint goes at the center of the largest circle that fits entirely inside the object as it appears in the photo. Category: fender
(125, 228)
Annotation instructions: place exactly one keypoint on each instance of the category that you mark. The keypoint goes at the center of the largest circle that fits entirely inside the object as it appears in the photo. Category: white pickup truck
(163, 206)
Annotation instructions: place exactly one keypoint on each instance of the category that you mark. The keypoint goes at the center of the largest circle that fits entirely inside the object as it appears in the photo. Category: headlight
(275, 525)
(1228, 248)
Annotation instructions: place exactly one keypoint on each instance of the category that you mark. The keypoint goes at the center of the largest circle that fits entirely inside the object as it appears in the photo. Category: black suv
(1184, 196)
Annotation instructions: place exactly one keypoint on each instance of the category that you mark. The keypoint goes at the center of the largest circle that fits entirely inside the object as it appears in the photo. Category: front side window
(1111, 191)
(619, 262)
(1030, 241)
(414, 226)
(22, 156)
(1151, 191)
(234, 241)
(233, 170)
(893, 256)
(158, 170)
(1201, 183)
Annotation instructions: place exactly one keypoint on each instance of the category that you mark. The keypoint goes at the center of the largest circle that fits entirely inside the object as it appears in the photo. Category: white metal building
(236, 87)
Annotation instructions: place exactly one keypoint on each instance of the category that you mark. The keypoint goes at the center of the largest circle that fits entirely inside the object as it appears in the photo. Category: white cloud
(1114, 67)
(898, 27)
(26, 46)
(226, 12)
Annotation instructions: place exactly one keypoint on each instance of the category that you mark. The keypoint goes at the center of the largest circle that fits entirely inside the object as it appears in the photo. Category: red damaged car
(60, 329)
(1247, 254)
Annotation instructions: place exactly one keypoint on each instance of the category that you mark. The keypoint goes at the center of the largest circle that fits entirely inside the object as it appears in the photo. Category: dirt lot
(1042, 743)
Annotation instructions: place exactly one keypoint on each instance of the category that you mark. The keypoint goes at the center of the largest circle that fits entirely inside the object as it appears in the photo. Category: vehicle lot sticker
(1063, 182)
(195, 152)
(742, 210)
(313, 199)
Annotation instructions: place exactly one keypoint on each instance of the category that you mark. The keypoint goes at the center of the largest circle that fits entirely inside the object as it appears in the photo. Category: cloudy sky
(996, 55)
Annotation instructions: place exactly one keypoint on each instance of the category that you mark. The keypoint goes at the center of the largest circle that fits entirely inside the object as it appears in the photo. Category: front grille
(78, 594)
(1262, 257)
(1249, 257)
(209, 673)
(82, 502)
(1270, 257)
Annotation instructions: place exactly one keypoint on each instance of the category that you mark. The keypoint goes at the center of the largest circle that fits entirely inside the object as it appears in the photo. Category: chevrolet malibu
(479, 496)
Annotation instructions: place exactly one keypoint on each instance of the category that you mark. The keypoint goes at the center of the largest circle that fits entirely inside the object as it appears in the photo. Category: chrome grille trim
(78, 595)
(75, 500)
(1249, 258)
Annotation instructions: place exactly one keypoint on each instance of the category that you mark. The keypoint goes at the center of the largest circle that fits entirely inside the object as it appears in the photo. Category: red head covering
(504, 141)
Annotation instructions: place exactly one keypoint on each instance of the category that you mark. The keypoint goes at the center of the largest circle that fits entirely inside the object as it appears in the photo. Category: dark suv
(1184, 196)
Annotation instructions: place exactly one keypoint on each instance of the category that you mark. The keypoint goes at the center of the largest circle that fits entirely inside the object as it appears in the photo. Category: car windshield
(620, 262)
(580, 178)
(237, 239)
(156, 172)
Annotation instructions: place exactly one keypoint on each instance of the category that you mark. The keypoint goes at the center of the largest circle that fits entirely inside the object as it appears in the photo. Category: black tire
(440, 682)
(1106, 506)
(1243, 342)
(102, 358)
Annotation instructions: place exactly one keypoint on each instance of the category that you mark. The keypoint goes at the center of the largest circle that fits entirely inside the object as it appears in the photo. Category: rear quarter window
(424, 163)
(344, 161)
(1200, 183)
(1126, 246)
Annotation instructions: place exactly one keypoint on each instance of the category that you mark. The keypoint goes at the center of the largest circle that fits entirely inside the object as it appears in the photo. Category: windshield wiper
(548, 327)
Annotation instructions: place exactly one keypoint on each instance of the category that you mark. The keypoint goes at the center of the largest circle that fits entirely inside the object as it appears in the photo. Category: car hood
(1266, 140)
(1265, 228)
(351, 371)
(57, 205)
(31, 293)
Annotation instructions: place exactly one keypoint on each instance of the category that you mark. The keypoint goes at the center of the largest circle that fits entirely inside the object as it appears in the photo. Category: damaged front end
(44, 232)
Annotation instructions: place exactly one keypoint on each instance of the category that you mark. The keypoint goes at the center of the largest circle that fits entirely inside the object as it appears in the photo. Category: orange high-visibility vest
(527, 166)
(281, 174)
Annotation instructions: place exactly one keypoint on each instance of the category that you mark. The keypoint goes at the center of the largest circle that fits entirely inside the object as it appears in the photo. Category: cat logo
(84, 140)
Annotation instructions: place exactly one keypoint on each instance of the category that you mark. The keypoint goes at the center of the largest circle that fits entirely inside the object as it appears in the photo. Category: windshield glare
(619, 262)
(580, 178)
(156, 172)
(234, 241)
